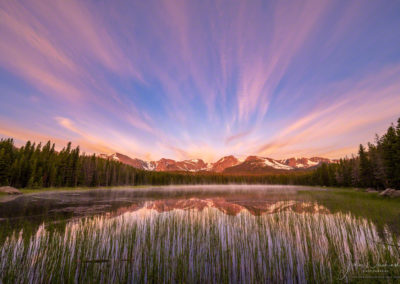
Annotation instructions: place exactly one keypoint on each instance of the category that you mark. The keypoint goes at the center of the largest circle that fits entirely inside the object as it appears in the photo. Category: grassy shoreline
(357, 191)
(336, 192)
(78, 188)
(84, 188)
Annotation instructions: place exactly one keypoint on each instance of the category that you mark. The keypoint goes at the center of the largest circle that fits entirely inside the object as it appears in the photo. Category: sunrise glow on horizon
(200, 79)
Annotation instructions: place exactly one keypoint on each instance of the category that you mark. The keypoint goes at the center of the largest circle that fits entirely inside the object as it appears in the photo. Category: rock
(9, 190)
(395, 193)
(386, 192)
(371, 190)
(390, 192)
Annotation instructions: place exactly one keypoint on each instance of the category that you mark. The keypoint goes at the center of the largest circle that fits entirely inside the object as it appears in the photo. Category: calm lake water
(200, 234)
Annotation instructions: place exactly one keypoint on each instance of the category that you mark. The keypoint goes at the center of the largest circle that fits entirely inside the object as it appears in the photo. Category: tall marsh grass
(191, 246)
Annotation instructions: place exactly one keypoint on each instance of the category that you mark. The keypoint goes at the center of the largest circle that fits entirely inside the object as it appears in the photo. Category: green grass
(381, 210)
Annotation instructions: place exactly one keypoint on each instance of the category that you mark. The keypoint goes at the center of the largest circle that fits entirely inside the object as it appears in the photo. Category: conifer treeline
(36, 166)
(376, 167)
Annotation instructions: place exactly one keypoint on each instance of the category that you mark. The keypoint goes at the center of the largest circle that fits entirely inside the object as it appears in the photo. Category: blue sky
(200, 79)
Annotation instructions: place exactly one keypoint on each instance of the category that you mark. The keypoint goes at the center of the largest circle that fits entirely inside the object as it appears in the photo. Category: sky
(200, 79)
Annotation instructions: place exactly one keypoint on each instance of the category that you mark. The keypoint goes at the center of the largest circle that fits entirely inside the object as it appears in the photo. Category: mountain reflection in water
(41, 206)
(233, 208)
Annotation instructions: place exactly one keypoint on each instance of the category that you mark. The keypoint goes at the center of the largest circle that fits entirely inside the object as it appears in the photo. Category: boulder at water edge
(390, 192)
(9, 190)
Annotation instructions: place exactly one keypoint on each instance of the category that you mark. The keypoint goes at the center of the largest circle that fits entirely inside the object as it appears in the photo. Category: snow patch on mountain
(276, 165)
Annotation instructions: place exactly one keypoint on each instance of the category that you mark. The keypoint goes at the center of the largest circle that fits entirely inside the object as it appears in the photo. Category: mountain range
(228, 164)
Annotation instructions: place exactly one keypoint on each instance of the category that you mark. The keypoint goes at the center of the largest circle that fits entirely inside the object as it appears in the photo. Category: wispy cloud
(182, 79)
(374, 99)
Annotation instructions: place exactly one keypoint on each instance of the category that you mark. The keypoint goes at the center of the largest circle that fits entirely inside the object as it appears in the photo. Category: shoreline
(77, 188)
(360, 192)
(26, 191)
(82, 188)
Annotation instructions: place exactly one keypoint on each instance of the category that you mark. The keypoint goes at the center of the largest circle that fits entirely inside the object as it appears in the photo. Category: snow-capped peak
(227, 162)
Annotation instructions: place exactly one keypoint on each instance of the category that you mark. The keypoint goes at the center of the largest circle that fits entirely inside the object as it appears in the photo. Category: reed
(200, 246)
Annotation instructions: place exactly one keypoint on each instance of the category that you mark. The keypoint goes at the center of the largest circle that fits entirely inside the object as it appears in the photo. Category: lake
(200, 234)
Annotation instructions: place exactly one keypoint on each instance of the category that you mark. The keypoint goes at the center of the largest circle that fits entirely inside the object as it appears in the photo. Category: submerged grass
(201, 246)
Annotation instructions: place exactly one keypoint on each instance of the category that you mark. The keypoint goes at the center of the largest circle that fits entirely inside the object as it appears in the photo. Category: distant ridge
(228, 164)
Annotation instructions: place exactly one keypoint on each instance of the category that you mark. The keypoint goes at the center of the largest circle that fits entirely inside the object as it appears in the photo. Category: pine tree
(4, 169)
(396, 181)
(365, 168)
(377, 169)
(389, 151)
